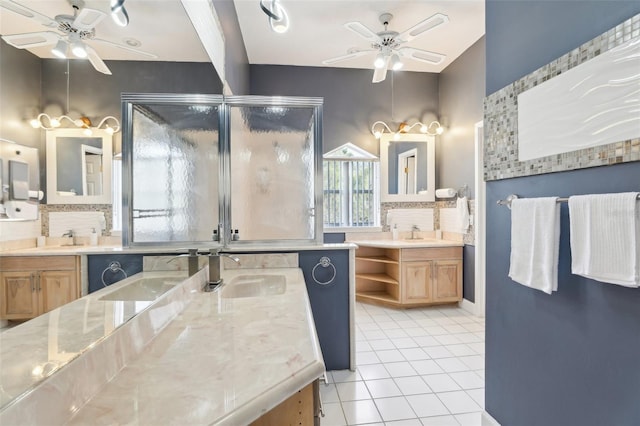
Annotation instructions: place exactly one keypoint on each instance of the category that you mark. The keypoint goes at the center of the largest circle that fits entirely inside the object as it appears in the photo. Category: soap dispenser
(93, 237)
(394, 232)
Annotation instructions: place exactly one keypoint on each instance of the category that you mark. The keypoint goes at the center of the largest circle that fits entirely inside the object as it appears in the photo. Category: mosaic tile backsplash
(501, 118)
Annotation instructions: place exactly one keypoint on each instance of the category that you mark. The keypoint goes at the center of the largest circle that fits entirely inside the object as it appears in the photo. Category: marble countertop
(217, 360)
(88, 250)
(404, 244)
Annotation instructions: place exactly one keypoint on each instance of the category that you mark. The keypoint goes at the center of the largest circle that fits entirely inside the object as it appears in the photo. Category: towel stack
(605, 233)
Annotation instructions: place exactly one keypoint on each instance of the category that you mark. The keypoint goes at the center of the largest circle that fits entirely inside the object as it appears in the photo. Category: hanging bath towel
(535, 242)
(604, 237)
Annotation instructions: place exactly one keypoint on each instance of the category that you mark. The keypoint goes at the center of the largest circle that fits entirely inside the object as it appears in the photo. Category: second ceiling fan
(388, 44)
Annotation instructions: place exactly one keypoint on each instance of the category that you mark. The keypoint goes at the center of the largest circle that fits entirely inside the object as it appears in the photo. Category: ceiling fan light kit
(388, 44)
(76, 31)
(60, 49)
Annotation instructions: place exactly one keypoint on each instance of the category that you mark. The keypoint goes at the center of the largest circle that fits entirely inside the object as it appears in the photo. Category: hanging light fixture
(110, 124)
(432, 129)
(119, 13)
(278, 17)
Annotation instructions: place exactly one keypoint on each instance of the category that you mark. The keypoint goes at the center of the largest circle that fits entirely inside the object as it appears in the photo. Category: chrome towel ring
(114, 267)
(325, 262)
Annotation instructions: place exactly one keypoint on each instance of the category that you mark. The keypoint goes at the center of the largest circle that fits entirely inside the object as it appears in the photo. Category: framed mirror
(79, 167)
(407, 167)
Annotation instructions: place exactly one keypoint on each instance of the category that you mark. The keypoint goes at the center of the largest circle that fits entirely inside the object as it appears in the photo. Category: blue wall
(570, 358)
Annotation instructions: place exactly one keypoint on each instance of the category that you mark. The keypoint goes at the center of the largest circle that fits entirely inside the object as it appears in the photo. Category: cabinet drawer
(38, 263)
(431, 253)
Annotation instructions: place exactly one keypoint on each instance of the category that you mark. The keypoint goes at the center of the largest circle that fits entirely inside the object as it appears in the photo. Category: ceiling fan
(388, 44)
(74, 31)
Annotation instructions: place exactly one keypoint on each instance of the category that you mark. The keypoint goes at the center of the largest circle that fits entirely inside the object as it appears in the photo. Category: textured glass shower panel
(272, 172)
(175, 193)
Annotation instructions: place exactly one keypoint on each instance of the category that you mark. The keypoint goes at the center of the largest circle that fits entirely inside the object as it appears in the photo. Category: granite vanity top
(219, 360)
(404, 244)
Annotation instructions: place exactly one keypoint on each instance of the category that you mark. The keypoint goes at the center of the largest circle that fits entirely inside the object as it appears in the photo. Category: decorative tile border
(501, 118)
(45, 209)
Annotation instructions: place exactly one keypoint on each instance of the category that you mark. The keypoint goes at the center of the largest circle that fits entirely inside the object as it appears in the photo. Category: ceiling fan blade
(423, 26)
(87, 19)
(422, 55)
(97, 63)
(29, 40)
(29, 13)
(122, 46)
(380, 74)
(362, 31)
(350, 55)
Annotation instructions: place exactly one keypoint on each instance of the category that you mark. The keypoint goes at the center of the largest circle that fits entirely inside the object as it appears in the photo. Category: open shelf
(383, 278)
(380, 259)
(376, 296)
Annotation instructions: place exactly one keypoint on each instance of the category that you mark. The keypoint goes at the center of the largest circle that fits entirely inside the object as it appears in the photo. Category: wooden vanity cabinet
(31, 286)
(410, 276)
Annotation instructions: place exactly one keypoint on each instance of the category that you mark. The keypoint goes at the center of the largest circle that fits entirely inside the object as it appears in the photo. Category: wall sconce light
(46, 122)
(432, 129)
(278, 17)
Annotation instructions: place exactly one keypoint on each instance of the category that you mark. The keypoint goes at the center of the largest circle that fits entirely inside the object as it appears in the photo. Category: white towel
(604, 237)
(462, 207)
(535, 242)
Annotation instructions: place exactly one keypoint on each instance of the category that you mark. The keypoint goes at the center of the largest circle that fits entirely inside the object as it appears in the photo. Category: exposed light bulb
(424, 129)
(87, 132)
(35, 123)
(109, 129)
(55, 122)
(396, 136)
(377, 134)
(439, 130)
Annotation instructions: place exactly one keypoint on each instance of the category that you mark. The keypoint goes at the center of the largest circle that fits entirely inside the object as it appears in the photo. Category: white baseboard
(487, 420)
(468, 306)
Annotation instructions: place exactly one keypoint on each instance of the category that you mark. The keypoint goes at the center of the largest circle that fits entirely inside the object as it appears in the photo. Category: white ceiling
(316, 32)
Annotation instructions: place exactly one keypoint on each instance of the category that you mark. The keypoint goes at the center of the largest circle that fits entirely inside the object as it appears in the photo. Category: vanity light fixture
(432, 129)
(278, 17)
(46, 122)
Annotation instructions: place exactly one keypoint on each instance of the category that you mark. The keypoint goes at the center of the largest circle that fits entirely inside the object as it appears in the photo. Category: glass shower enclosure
(208, 170)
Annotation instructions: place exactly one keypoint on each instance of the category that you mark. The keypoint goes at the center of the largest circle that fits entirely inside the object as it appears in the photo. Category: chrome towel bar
(507, 201)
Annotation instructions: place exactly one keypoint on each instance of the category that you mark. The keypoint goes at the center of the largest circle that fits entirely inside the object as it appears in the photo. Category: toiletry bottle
(236, 236)
(93, 237)
(394, 232)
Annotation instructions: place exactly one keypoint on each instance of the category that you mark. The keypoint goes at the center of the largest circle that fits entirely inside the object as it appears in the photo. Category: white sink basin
(255, 286)
(145, 289)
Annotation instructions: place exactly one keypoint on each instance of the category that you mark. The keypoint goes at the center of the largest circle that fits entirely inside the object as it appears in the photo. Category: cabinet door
(447, 285)
(416, 281)
(56, 288)
(19, 298)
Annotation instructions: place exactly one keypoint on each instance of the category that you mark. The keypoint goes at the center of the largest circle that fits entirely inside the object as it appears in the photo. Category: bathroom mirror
(78, 167)
(19, 182)
(407, 167)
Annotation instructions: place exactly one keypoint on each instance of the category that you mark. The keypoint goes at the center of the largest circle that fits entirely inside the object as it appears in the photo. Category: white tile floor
(422, 367)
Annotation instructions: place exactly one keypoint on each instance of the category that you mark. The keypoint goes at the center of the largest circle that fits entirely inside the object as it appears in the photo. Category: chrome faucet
(193, 260)
(214, 268)
(70, 236)
(415, 228)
